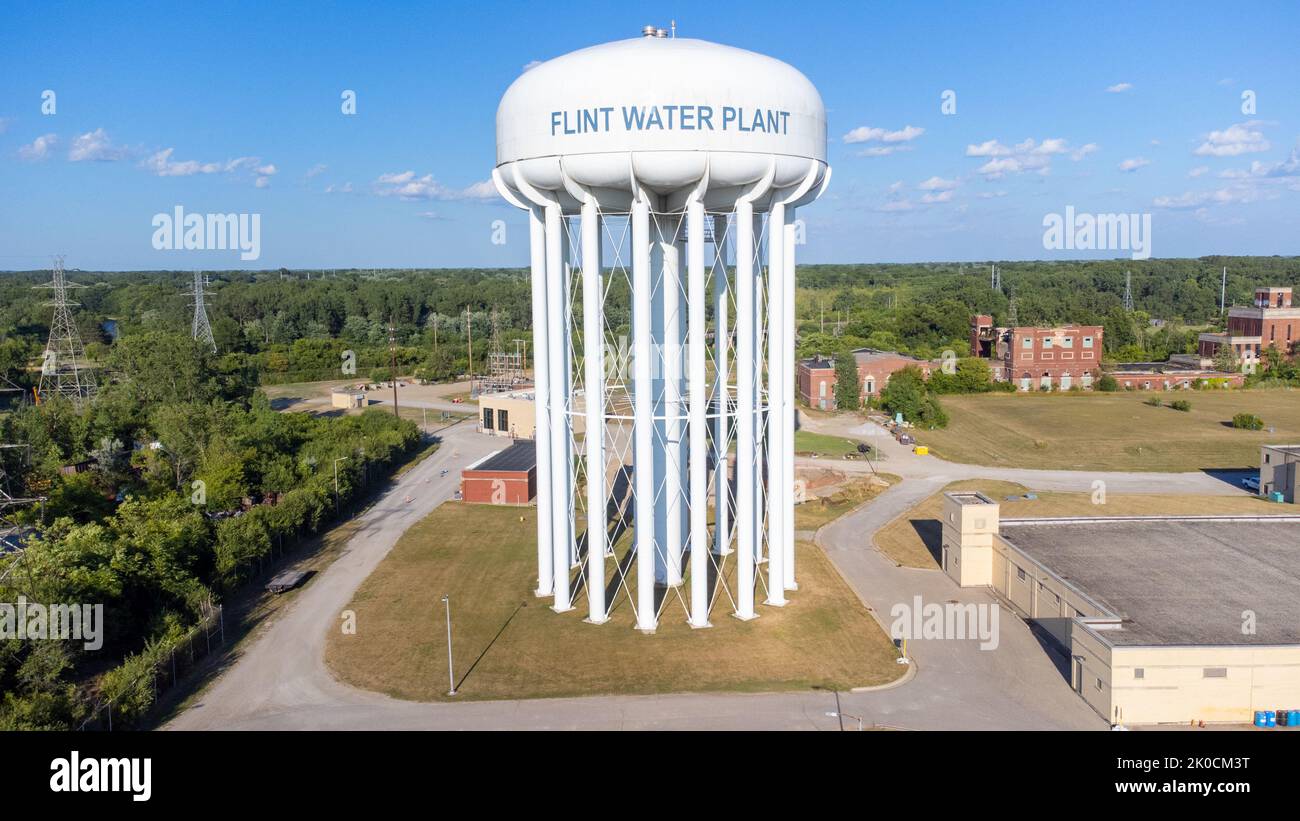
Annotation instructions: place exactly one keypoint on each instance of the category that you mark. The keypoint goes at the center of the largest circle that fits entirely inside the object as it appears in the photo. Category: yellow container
(922, 450)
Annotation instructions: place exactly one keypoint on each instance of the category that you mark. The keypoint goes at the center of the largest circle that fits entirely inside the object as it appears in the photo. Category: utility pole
(336, 483)
(392, 362)
(1223, 291)
(469, 336)
(63, 370)
(201, 328)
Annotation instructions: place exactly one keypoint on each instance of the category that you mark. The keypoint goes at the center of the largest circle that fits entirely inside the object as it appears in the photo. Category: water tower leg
(721, 391)
(776, 344)
(541, 367)
(658, 303)
(556, 402)
(787, 390)
(642, 412)
(593, 346)
(745, 440)
(696, 428)
(672, 382)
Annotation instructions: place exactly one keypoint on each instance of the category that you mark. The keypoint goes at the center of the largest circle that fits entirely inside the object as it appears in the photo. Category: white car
(1251, 483)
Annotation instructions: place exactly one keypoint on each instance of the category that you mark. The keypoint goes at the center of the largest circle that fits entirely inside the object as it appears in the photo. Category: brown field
(1098, 431)
(509, 644)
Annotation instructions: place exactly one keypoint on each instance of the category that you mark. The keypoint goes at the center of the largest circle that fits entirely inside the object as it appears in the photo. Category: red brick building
(507, 477)
(1272, 322)
(1063, 357)
(817, 375)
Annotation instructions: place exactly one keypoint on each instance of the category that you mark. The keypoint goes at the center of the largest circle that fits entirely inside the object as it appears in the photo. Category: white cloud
(1133, 163)
(316, 170)
(989, 195)
(1241, 138)
(405, 185)
(937, 196)
(40, 148)
(262, 182)
(938, 184)
(1198, 171)
(1026, 156)
(162, 164)
(882, 150)
(1290, 167)
(1236, 194)
(1083, 151)
(1119, 88)
(345, 188)
(865, 134)
(95, 146)
(991, 148)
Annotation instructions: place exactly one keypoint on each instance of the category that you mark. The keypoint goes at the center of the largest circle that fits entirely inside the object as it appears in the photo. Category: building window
(1214, 672)
(487, 419)
(1139, 672)
(1087, 342)
(1047, 342)
(1020, 573)
(503, 419)
(1028, 343)
(1099, 684)
(1068, 342)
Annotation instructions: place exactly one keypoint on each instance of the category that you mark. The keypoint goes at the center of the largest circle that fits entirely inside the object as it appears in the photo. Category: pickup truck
(1251, 483)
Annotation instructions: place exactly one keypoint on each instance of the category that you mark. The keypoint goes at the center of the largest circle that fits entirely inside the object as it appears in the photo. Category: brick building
(1062, 357)
(817, 375)
(507, 477)
(1272, 322)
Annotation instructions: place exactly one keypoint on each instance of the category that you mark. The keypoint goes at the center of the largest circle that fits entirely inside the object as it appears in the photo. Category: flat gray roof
(1181, 582)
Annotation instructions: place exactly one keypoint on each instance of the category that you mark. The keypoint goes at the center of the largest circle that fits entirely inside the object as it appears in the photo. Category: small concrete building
(507, 477)
(1278, 465)
(347, 398)
(512, 414)
(1163, 619)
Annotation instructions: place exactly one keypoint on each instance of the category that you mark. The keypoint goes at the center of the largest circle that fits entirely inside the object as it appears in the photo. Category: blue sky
(235, 107)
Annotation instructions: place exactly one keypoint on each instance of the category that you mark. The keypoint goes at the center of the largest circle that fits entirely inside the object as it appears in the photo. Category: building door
(1066, 381)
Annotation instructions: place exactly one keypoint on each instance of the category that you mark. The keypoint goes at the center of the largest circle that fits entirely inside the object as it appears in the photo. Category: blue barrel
(1260, 719)
(1271, 717)
(1294, 716)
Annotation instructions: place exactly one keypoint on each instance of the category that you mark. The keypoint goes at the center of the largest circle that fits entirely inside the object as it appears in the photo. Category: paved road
(280, 681)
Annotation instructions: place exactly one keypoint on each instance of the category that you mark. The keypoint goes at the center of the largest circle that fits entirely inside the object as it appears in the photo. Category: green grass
(821, 510)
(509, 644)
(913, 539)
(1120, 431)
(806, 442)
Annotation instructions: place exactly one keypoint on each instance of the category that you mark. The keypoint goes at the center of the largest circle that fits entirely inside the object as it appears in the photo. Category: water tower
(661, 178)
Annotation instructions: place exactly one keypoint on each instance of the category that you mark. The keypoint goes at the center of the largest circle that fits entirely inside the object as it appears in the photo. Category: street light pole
(451, 677)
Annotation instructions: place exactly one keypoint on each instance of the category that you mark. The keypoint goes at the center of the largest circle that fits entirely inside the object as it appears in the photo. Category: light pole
(336, 483)
(451, 677)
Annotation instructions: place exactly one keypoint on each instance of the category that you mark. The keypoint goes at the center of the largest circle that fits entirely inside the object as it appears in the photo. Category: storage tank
(661, 177)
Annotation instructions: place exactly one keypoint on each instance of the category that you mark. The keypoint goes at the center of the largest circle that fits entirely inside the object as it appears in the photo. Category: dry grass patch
(913, 539)
(509, 644)
(1097, 431)
(821, 510)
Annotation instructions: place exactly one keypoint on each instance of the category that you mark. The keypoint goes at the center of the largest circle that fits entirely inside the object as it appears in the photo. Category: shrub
(1247, 421)
(1154, 401)
(1181, 405)
(1107, 384)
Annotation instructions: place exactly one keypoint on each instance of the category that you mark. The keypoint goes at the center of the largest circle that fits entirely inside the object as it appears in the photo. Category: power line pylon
(1128, 291)
(202, 329)
(64, 371)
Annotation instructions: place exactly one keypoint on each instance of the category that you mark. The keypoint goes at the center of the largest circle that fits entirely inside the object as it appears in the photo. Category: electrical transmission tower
(1013, 314)
(995, 277)
(64, 371)
(505, 370)
(1128, 291)
(202, 328)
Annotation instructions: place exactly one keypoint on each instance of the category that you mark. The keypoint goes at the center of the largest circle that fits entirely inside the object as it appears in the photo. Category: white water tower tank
(661, 177)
